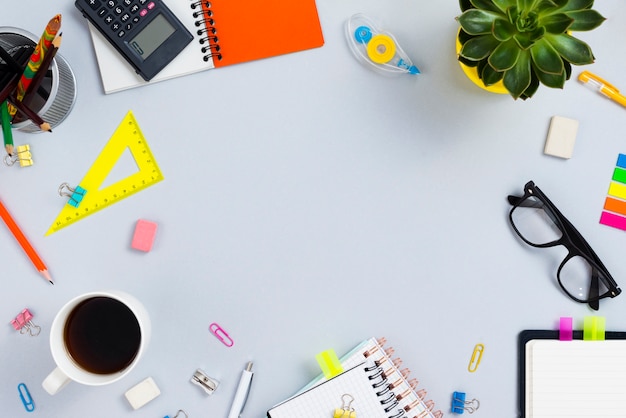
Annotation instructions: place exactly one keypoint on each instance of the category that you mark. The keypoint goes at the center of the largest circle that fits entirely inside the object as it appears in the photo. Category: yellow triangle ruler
(92, 198)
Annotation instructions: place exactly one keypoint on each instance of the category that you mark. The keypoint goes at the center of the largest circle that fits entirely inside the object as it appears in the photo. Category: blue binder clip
(460, 405)
(27, 400)
(76, 195)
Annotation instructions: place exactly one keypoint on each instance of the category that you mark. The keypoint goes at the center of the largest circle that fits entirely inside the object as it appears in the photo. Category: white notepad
(118, 75)
(575, 378)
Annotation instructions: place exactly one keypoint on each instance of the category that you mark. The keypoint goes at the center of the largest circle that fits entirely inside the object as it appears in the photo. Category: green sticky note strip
(594, 328)
(619, 175)
(329, 363)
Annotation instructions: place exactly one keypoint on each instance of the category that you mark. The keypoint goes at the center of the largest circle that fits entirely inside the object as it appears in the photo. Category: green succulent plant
(525, 43)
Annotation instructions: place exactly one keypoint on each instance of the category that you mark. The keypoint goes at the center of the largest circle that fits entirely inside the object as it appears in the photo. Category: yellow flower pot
(472, 74)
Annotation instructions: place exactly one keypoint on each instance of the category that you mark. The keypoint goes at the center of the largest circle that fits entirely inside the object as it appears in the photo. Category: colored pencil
(30, 92)
(21, 239)
(30, 114)
(36, 58)
(6, 127)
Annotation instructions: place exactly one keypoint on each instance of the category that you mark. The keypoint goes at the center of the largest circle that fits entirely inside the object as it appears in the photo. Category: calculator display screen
(152, 36)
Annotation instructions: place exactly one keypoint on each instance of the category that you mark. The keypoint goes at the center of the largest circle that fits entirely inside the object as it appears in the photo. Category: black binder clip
(207, 383)
(460, 405)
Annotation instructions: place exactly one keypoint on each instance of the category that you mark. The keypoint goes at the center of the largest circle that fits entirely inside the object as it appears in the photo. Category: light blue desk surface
(310, 203)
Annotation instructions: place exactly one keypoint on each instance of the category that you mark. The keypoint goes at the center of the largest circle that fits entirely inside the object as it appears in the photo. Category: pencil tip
(46, 275)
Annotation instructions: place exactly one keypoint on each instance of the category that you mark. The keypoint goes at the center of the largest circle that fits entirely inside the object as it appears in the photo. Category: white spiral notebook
(374, 381)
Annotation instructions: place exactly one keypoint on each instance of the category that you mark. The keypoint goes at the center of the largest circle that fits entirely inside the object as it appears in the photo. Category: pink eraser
(144, 235)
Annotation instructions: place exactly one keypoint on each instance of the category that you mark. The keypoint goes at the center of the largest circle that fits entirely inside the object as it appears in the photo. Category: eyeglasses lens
(575, 277)
(535, 222)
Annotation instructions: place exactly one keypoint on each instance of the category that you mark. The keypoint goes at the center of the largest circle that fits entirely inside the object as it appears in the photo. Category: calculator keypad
(121, 15)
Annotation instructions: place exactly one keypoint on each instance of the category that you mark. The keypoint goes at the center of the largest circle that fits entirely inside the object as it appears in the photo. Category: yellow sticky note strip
(617, 190)
(329, 363)
(594, 328)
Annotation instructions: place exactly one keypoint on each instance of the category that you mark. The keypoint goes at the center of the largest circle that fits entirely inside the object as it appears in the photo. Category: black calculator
(147, 34)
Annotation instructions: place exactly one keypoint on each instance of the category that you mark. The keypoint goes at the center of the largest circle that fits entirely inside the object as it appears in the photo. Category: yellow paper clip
(22, 155)
(477, 355)
(602, 86)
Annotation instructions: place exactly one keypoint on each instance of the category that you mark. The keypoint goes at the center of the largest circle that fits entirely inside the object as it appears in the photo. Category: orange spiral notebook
(226, 32)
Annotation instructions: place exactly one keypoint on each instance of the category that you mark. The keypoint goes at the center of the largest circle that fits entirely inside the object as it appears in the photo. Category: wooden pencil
(31, 91)
(14, 78)
(36, 58)
(30, 114)
(9, 87)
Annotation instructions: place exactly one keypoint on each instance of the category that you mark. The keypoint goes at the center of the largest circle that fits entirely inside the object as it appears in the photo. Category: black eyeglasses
(581, 275)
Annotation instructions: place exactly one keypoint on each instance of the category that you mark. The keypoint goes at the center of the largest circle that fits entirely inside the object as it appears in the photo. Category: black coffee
(102, 335)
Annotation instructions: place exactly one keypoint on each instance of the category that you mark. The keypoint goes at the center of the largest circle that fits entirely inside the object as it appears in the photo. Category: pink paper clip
(23, 323)
(221, 334)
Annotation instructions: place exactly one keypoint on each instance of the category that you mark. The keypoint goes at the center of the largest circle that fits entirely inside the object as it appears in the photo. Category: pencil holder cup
(57, 93)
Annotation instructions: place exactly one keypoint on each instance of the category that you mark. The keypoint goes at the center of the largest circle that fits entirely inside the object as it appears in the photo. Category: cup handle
(55, 381)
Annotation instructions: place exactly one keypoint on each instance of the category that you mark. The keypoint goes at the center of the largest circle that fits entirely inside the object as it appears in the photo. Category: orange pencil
(21, 239)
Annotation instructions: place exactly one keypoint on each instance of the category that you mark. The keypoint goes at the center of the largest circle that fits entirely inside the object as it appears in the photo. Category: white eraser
(142, 393)
(561, 137)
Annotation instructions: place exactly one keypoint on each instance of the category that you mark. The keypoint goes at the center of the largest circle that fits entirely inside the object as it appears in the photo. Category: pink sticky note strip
(615, 221)
(143, 238)
(566, 332)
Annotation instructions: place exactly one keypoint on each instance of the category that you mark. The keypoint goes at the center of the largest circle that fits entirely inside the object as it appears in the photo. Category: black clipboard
(529, 335)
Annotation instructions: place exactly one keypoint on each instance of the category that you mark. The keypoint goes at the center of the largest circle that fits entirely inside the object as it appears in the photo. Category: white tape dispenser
(377, 49)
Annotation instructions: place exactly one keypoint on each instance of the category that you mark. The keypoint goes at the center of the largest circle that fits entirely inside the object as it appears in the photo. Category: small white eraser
(142, 393)
(561, 137)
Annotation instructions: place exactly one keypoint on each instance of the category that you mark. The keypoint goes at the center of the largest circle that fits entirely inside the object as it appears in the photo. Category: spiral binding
(206, 29)
(388, 380)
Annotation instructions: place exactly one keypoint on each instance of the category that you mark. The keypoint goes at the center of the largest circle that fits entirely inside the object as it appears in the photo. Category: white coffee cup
(73, 315)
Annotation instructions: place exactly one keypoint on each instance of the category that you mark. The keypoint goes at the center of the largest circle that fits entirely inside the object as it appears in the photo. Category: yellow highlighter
(602, 86)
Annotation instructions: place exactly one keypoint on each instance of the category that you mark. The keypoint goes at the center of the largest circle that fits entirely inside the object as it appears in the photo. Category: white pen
(241, 396)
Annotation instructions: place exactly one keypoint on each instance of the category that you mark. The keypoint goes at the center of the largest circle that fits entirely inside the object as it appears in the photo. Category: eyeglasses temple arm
(594, 291)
